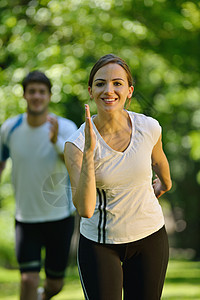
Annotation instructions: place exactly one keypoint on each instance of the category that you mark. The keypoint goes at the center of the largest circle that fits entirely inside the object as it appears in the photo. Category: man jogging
(44, 210)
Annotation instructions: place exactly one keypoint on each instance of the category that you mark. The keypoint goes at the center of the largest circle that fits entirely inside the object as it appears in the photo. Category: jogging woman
(123, 242)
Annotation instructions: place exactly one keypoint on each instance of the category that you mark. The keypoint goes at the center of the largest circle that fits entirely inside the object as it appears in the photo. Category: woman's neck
(112, 122)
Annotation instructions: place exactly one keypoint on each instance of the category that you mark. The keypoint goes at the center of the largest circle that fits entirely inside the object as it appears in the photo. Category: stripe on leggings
(105, 219)
(81, 278)
(102, 216)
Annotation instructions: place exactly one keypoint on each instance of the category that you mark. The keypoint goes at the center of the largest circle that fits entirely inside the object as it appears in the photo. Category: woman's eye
(117, 83)
(99, 84)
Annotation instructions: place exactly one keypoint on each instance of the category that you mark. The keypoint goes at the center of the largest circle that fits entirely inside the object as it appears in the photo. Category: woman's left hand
(158, 187)
(90, 138)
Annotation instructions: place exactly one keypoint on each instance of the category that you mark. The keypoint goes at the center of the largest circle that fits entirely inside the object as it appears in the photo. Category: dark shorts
(137, 268)
(54, 237)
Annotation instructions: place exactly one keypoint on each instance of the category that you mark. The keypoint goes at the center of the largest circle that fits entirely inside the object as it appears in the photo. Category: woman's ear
(90, 92)
(130, 92)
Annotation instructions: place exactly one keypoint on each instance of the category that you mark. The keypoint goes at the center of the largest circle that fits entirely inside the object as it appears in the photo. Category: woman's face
(110, 88)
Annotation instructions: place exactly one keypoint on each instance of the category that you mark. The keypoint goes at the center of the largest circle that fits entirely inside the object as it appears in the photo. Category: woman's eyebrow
(112, 79)
(118, 79)
(100, 79)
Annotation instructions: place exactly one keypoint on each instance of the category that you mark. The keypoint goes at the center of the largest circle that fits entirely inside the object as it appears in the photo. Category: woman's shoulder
(143, 120)
(78, 137)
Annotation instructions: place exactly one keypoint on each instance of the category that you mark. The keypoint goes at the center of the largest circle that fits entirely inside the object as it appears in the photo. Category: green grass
(9, 285)
(182, 282)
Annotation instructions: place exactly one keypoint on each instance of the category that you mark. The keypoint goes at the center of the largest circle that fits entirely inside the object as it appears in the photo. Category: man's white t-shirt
(41, 182)
(126, 207)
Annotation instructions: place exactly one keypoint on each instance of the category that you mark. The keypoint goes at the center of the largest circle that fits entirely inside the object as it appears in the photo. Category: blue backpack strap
(17, 124)
(5, 149)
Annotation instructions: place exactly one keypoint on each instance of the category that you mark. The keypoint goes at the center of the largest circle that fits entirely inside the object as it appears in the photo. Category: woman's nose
(109, 88)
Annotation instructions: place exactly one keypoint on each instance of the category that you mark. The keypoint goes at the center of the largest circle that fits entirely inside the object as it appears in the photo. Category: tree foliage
(160, 41)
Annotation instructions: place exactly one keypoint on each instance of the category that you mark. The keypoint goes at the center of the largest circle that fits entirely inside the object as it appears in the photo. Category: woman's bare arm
(81, 171)
(160, 166)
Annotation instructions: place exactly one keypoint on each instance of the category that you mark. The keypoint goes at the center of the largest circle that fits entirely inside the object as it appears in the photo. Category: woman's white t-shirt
(126, 206)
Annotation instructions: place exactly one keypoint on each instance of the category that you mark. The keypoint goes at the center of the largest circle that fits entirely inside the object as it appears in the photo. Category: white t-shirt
(126, 207)
(41, 182)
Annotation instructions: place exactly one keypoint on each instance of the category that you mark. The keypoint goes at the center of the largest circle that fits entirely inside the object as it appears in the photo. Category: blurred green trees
(160, 41)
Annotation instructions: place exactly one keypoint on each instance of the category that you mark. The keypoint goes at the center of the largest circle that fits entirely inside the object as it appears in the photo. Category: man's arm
(2, 167)
(57, 140)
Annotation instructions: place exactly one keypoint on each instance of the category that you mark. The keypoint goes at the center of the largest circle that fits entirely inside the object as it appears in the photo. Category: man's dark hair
(36, 76)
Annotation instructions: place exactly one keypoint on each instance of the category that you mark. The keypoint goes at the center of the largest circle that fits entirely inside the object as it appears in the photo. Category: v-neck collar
(106, 145)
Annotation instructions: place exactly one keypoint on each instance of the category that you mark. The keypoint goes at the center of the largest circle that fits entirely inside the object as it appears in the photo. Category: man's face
(38, 97)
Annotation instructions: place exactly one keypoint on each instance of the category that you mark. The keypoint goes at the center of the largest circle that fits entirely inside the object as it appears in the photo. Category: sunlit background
(160, 41)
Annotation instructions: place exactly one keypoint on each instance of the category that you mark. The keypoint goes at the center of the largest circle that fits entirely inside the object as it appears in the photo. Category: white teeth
(109, 100)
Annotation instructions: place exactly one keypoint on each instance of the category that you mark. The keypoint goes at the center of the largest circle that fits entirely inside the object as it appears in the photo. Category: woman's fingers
(88, 118)
(90, 139)
(88, 124)
(87, 111)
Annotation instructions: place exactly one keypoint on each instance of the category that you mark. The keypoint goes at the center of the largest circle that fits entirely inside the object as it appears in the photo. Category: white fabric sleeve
(155, 129)
(65, 130)
(59, 145)
(78, 138)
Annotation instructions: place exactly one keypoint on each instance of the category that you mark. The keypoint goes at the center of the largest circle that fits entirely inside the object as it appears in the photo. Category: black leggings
(137, 267)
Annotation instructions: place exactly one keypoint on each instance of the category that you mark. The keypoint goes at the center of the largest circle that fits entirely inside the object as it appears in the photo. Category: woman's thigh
(145, 267)
(100, 270)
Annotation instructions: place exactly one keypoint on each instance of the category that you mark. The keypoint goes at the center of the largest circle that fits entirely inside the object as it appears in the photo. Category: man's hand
(53, 133)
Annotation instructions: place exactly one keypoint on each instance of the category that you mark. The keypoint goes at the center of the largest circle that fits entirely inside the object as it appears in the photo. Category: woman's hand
(90, 138)
(158, 187)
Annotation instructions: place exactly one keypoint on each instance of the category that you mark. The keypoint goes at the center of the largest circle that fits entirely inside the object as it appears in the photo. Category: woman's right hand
(90, 138)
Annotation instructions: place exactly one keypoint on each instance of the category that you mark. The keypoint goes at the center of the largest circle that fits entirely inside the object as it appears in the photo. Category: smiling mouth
(109, 100)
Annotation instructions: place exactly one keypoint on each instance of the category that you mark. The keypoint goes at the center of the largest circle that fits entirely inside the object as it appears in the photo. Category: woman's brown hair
(110, 59)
